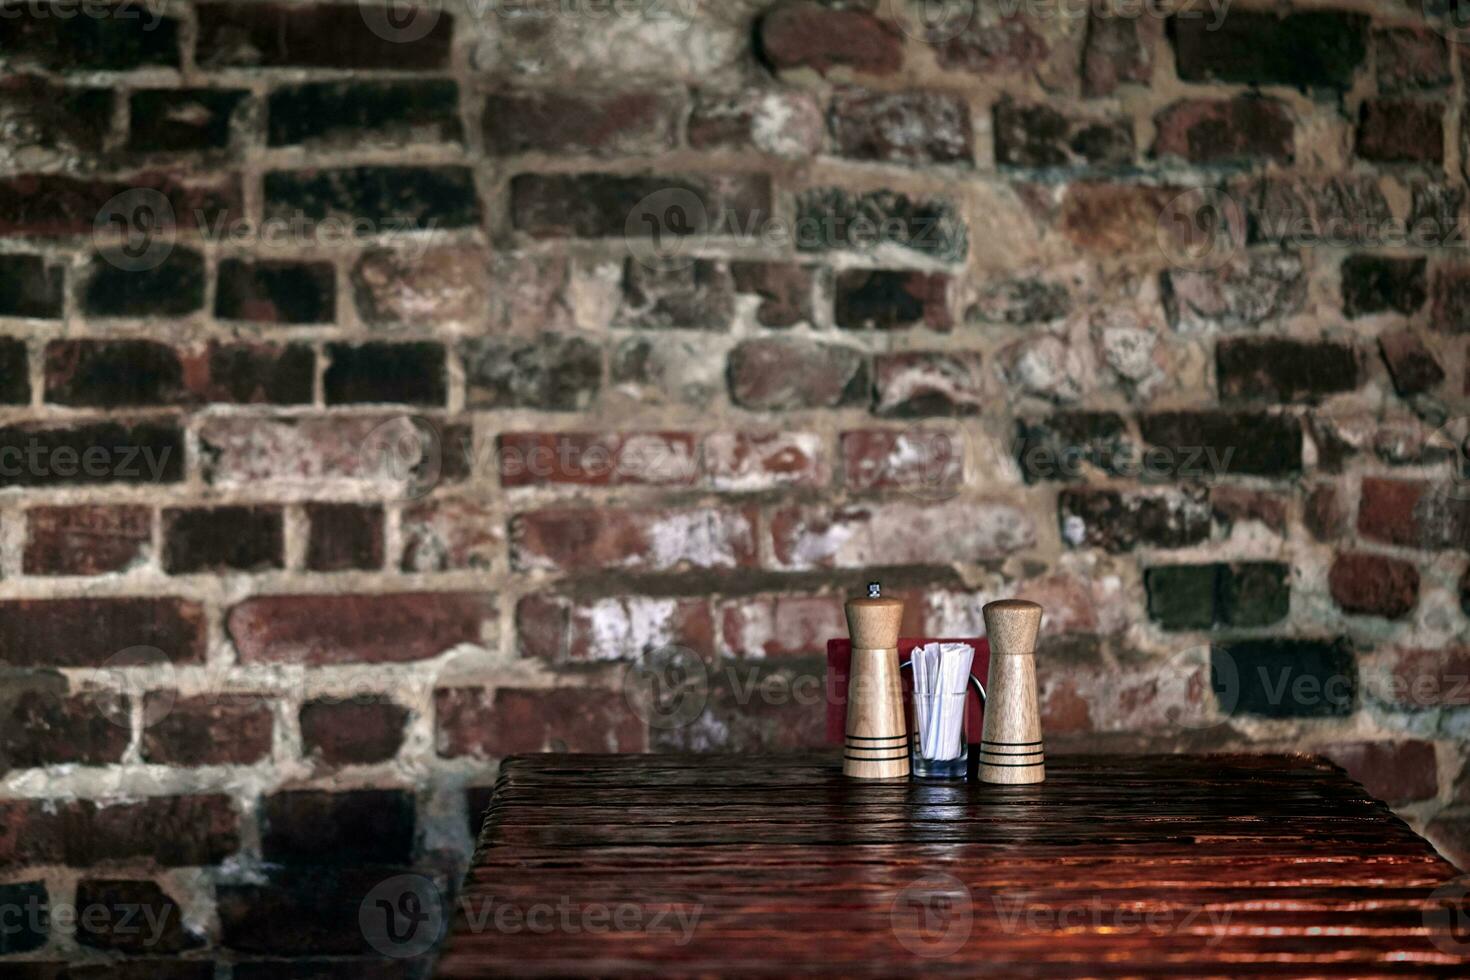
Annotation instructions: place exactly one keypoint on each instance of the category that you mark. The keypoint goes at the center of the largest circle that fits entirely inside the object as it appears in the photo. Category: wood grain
(1011, 747)
(1223, 866)
(876, 737)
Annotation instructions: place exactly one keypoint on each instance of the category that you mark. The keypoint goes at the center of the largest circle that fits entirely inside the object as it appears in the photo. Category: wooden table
(777, 866)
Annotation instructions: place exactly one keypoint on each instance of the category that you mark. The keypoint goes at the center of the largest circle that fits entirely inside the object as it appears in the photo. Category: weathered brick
(334, 629)
(1395, 772)
(1410, 362)
(1334, 210)
(778, 717)
(33, 455)
(868, 299)
(779, 625)
(1110, 219)
(1247, 291)
(1449, 293)
(249, 373)
(1409, 514)
(318, 827)
(753, 461)
(445, 535)
(784, 290)
(667, 369)
(1020, 301)
(30, 917)
(344, 537)
(1114, 54)
(38, 113)
(266, 291)
(1425, 678)
(181, 120)
(359, 732)
(1378, 284)
(128, 916)
(931, 462)
(1237, 505)
(1118, 521)
(1200, 597)
(1064, 444)
(169, 831)
(1401, 131)
(174, 287)
(1306, 49)
(553, 372)
(359, 113)
(591, 459)
(442, 285)
(104, 37)
(47, 728)
(1278, 369)
(810, 35)
(561, 630)
(1041, 136)
(87, 632)
(901, 127)
(389, 198)
(781, 122)
(859, 535)
(86, 540)
(579, 123)
(606, 205)
(914, 384)
(1285, 678)
(775, 374)
(30, 286)
(384, 373)
(206, 730)
(56, 204)
(217, 539)
(1374, 585)
(1212, 444)
(832, 218)
(1409, 59)
(1219, 131)
(271, 35)
(697, 296)
(1008, 43)
(645, 540)
(569, 719)
(1322, 512)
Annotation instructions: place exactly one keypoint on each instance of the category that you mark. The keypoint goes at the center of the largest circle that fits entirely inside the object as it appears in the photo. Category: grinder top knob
(873, 623)
(1012, 625)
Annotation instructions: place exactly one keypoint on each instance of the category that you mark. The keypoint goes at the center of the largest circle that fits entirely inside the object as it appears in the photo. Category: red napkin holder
(839, 667)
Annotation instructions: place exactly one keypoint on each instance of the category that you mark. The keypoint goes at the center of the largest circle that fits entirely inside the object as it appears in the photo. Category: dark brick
(869, 299)
(393, 198)
(1374, 585)
(129, 916)
(112, 373)
(251, 373)
(832, 218)
(29, 909)
(38, 113)
(175, 287)
(477, 802)
(1182, 597)
(1378, 284)
(207, 730)
(785, 291)
(1410, 361)
(553, 372)
(1435, 213)
(1118, 522)
(1201, 597)
(335, 629)
(344, 537)
(56, 204)
(87, 632)
(181, 120)
(1395, 772)
(1254, 593)
(698, 296)
(86, 540)
(46, 728)
(1113, 54)
(1411, 514)
(361, 113)
(1223, 443)
(810, 35)
(1303, 210)
(1277, 369)
(101, 37)
(901, 127)
(1020, 301)
(270, 35)
(1310, 49)
(15, 371)
(914, 384)
(170, 831)
(30, 286)
(777, 374)
(1041, 136)
(352, 733)
(606, 205)
(218, 539)
(1220, 131)
(337, 968)
(33, 455)
(569, 719)
(1283, 678)
(267, 291)
(580, 123)
(1410, 59)
(312, 827)
(407, 374)
(1401, 131)
(1450, 299)
(1063, 445)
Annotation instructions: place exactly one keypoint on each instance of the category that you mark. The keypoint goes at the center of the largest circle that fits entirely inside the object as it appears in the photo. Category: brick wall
(388, 393)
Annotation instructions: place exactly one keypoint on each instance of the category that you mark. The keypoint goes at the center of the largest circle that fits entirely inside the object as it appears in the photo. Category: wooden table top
(1116, 865)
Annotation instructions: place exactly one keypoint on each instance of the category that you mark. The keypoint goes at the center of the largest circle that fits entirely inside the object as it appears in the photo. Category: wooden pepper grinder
(1011, 749)
(877, 742)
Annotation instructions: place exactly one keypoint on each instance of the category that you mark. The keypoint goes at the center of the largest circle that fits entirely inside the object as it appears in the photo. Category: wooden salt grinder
(1011, 749)
(877, 742)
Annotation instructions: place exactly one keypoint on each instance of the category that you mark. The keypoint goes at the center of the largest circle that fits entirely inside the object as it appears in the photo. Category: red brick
(444, 535)
(344, 537)
(1410, 362)
(902, 127)
(1401, 131)
(566, 630)
(313, 35)
(206, 730)
(1214, 131)
(782, 122)
(808, 35)
(596, 459)
(1411, 514)
(1114, 53)
(356, 827)
(785, 291)
(1395, 772)
(86, 540)
(869, 299)
(170, 831)
(1373, 585)
(45, 728)
(915, 384)
(1422, 678)
(857, 536)
(644, 540)
(1323, 514)
(579, 123)
(1450, 299)
(779, 626)
(777, 374)
(87, 632)
(929, 461)
(334, 629)
(31, 832)
(1037, 135)
(130, 916)
(352, 733)
(1110, 219)
(569, 719)
(753, 461)
(1410, 58)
